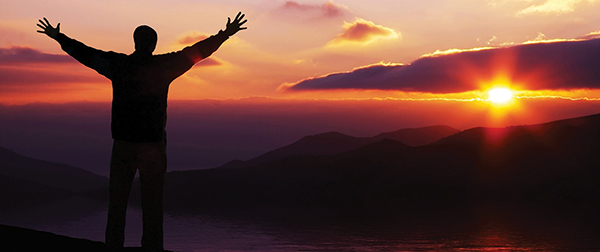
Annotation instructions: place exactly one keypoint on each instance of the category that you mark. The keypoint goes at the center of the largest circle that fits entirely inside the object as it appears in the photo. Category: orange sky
(288, 42)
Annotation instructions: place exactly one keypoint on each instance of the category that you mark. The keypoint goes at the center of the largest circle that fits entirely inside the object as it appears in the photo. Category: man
(140, 83)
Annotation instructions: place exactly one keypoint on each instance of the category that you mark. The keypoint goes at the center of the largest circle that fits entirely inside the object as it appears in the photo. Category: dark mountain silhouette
(385, 144)
(21, 239)
(559, 157)
(549, 162)
(418, 136)
(28, 182)
(15, 239)
(554, 162)
(332, 143)
(48, 173)
(19, 193)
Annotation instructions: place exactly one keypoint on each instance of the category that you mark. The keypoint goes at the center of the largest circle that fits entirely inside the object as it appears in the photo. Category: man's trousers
(150, 159)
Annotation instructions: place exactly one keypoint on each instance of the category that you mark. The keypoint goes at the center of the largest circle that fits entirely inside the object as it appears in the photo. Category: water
(481, 228)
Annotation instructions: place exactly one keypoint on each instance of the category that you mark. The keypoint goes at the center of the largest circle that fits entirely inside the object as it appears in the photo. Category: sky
(289, 42)
(428, 57)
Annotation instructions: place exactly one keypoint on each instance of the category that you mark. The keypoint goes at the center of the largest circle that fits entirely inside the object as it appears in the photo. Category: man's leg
(152, 175)
(121, 177)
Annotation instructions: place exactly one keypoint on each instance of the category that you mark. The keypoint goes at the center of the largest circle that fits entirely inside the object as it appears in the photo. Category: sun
(500, 95)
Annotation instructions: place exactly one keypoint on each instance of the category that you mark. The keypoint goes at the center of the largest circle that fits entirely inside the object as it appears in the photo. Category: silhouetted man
(140, 83)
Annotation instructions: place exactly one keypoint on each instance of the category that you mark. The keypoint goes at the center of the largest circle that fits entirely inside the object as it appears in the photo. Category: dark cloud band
(15, 55)
(558, 65)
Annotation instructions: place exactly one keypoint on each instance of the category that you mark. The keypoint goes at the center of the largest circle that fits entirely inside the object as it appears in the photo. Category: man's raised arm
(90, 57)
(206, 47)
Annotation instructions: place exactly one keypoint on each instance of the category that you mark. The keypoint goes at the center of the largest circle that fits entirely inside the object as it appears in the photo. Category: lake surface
(486, 227)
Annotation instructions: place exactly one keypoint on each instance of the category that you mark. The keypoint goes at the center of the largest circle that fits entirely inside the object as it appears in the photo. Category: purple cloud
(558, 65)
(19, 78)
(18, 54)
(326, 10)
(591, 35)
(23, 68)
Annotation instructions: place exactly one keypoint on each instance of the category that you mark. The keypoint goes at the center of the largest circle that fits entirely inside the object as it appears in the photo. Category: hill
(554, 162)
(332, 143)
(418, 136)
(48, 173)
(28, 182)
(18, 193)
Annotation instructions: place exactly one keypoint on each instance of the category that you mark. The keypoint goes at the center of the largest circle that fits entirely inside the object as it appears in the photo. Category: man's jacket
(140, 83)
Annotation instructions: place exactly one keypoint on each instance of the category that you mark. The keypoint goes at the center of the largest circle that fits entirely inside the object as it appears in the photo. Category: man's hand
(236, 25)
(48, 29)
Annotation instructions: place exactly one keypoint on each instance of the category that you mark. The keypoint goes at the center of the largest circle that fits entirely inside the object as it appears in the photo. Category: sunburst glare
(500, 95)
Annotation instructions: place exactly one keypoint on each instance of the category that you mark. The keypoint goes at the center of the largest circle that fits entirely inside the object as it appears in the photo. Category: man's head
(145, 39)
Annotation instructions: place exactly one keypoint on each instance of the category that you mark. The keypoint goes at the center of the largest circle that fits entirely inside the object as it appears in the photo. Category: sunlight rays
(500, 95)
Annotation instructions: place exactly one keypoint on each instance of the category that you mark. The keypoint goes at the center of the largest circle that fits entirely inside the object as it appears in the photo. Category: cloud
(559, 65)
(45, 76)
(295, 12)
(455, 51)
(192, 38)
(16, 54)
(326, 10)
(363, 31)
(541, 38)
(591, 35)
(209, 62)
(25, 67)
(554, 7)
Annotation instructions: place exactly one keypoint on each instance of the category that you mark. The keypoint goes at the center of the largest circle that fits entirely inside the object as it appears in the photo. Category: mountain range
(553, 162)
(28, 182)
(332, 143)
